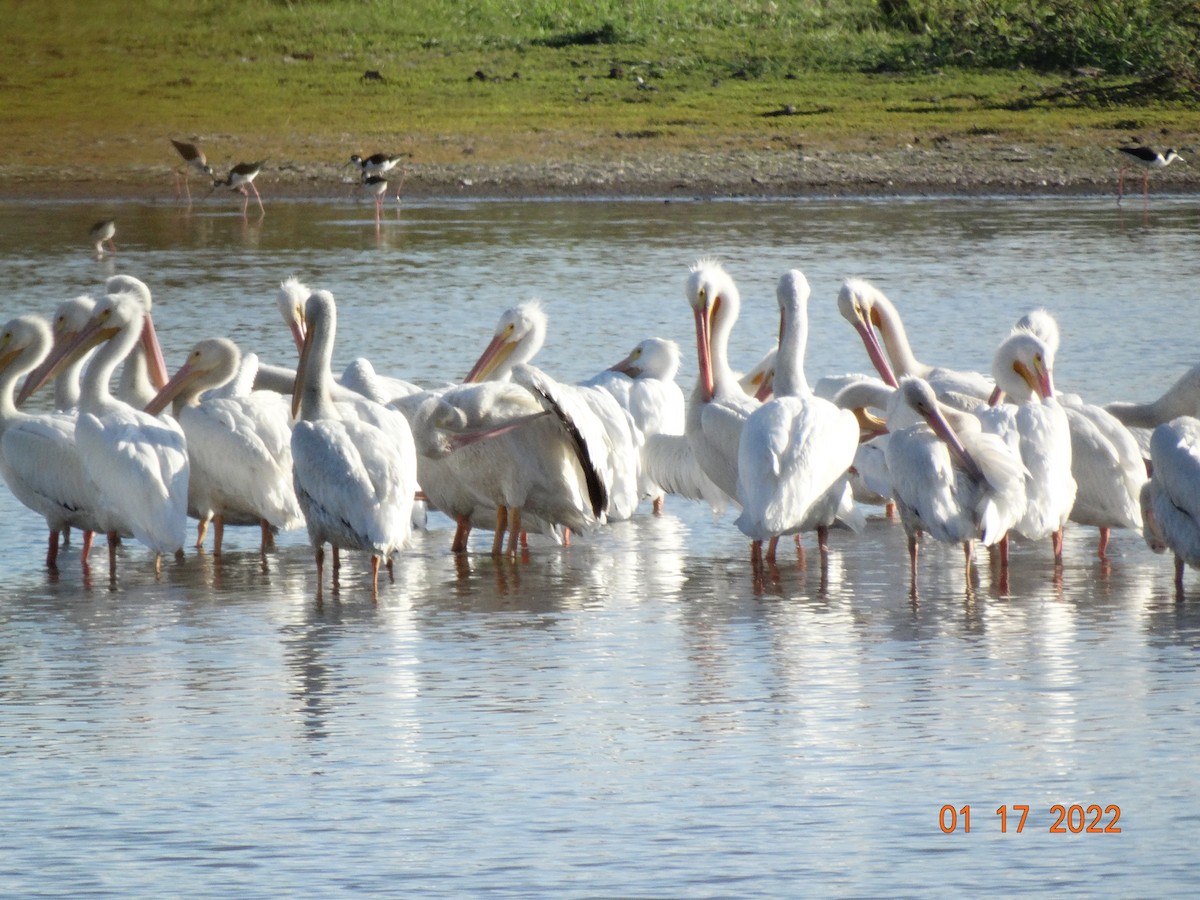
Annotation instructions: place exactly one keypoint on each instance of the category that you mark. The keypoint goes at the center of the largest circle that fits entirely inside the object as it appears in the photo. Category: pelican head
(1041, 323)
(519, 335)
(23, 343)
(69, 319)
(156, 366)
(920, 398)
(1024, 366)
(863, 305)
(112, 315)
(290, 300)
(71, 315)
(656, 358)
(715, 303)
(212, 363)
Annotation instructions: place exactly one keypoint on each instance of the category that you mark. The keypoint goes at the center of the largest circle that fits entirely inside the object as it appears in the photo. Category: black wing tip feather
(597, 489)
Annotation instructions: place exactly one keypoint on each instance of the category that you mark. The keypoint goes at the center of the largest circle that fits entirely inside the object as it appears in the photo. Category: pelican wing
(579, 424)
(140, 465)
(1108, 468)
(354, 488)
(241, 449)
(793, 452)
(671, 464)
(45, 471)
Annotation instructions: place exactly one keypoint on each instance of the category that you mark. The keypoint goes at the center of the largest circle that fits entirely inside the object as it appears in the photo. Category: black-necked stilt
(103, 233)
(241, 177)
(376, 164)
(378, 186)
(193, 158)
(1148, 160)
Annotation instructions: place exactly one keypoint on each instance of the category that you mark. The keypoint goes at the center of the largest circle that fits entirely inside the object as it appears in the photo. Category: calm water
(631, 716)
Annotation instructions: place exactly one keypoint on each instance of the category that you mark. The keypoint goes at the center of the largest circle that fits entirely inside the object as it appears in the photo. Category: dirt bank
(966, 169)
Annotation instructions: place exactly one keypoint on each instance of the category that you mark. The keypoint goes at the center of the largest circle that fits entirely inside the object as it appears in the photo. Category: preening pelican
(519, 335)
(138, 463)
(643, 383)
(795, 449)
(239, 447)
(1037, 427)
(1171, 498)
(354, 481)
(866, 308)
(956, 483)
(38, 457)
(513, 444)
(718, 408)
(1106, 461)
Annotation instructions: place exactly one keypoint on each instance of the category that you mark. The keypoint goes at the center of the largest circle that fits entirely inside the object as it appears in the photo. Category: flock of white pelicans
(964, 457)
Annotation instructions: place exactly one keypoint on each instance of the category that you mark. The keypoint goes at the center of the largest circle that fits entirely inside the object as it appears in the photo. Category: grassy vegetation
(502, 80)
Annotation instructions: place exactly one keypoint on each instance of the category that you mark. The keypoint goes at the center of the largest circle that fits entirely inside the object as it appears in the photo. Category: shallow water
(632, 716)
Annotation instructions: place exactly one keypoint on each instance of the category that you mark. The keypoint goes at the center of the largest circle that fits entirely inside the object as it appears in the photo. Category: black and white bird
(103, 233)
(1148, 160)
(193, 158)
(376, 164)
(241, 177)
(377, 186)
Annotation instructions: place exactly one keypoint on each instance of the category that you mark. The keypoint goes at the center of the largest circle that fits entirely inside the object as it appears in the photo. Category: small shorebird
(241, 177)
(103, 233)
(377, 164)
(193, 158)
(377, 185)
(1147, 160)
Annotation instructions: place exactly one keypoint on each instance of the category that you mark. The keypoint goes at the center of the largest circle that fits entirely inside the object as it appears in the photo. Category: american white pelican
(643, 383)
(520, 451)
(956, 483)
(1106, 460)
(519, 335)
(138, 463)
(526, 453)
(354, 481)
(359, 379)
(239, 447)
(866, 308)
(141, 376)
(795, 449)
(718, 407)
(461, 465)
(38, 457)
(1037, 427)
(69, 319)
(1171, 498)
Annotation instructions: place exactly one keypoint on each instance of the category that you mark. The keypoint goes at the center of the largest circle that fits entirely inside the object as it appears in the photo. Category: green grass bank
(738, 97)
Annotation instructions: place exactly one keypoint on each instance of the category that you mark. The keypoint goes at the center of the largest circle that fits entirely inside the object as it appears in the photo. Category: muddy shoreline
(907, 171)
